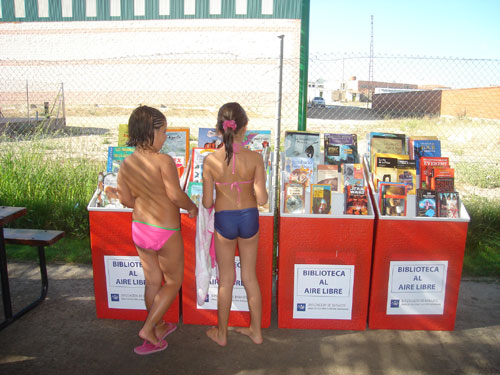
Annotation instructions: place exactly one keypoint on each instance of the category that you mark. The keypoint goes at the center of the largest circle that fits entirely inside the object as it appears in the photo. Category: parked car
(318, 101)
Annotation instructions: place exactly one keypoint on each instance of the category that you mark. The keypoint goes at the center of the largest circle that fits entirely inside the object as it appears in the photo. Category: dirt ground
(63, 335)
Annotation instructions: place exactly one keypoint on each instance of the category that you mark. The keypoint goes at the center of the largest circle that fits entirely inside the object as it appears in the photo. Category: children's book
(341, 148)
(299, 169)
(321, 196)
(426, 166)
(386, 169)
(328, 174)
(294, 198)
(426, 203)
(407, 174)
(208, 138)
(198, 156)
(122, 135)
(418, 137)
(116, 155)
(107, 191)
(257, 140)
(352, 174)
(392, 198)
(385, 143)
(449, 204)
(177, 145)
(195, 192)
(356, 200)
(302, 144)
(425, 148)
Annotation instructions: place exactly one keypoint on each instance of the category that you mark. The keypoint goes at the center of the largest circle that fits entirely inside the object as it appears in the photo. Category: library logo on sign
(115, 297)
(207, 298)
(301, 307)
(394, 303)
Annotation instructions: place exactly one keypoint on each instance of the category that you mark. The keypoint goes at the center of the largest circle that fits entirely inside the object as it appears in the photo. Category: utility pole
(370, 72)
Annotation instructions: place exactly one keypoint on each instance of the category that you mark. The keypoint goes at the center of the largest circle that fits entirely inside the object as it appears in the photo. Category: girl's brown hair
(230, 112)
(142, 124)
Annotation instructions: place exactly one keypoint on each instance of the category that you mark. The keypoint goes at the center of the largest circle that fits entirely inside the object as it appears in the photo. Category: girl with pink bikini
(148, 182)
(239, 178)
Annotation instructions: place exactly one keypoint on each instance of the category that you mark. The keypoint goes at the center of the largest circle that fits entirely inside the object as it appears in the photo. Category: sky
(425, 28)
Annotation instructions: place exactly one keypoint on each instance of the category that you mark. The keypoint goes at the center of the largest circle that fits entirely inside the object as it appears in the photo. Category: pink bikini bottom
(148, 236)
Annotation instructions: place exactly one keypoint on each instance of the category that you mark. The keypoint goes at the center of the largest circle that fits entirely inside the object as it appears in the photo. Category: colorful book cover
(116, 155)
(107, 191)
(321, 196)
(426, 203)
(392, 198)
(412, 139)
(443, 174)
(443, 184)
(328, 174)
(302, 144)
(299, 169)
(195, 192)
(449, 204)
(407, 174)
(122, 135)
(356, 200)
(198, 156)
(294, 198)
(352, 174)
(385, 143)
(257, 140)
(386, 169)
(426, 166)
(341, 148)
(177, 145)
(425, 148)
(208, 138)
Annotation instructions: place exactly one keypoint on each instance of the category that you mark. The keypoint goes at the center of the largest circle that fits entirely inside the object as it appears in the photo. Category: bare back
(151, 180)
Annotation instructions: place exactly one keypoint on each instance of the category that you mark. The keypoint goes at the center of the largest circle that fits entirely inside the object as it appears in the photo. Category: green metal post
(304, 64)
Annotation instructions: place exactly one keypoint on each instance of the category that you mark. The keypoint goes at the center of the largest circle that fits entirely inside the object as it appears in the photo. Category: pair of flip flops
(149, 348)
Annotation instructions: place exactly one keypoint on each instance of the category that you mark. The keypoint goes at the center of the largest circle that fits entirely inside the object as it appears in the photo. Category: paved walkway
(63, 336)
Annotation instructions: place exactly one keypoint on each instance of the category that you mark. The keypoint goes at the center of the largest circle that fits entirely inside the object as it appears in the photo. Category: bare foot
(256, 337)
(213, 333)
(149, 336)
(163, 329)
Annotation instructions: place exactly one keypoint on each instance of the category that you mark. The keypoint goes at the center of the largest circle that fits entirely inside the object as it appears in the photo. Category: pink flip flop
(148, 348)
(171, 328)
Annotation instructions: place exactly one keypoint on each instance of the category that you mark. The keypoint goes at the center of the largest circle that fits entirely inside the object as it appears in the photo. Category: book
(356, 200)
(418, 137)
(385, 143)
(195, 192)
(208, 138)
(352, 174)
(442, 179)
(426, 166)
(107, 190)
(425, 203)
(425, 148)
(122, 135)
(328, 174)
(321, 197)
(257, 140)
(299, 169)
(302, 144)
(177, 145)
(341, 148)
(407, 174)
(449, 204)
(294, 198)
(386, 169)
(197, 158)
(116, 155)
(392, 198)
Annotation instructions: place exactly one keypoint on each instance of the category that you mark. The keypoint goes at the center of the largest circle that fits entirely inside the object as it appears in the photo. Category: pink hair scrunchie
(229, 124)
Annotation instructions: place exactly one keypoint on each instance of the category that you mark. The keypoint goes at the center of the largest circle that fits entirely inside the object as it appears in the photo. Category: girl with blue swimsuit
(239, 178)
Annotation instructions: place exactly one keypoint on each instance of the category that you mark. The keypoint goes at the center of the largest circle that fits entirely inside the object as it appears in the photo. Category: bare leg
(170, 261)
(225, 250)
(248, 257)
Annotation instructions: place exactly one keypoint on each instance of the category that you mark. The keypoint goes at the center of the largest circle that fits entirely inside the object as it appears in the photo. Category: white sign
(125, 282)
(323, 291)
(417, 287)
(240, 301)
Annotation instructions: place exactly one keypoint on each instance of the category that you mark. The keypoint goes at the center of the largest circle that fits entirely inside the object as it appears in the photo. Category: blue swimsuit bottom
(231, 224)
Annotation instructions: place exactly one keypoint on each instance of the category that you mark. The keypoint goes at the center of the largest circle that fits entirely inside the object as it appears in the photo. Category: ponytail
(230, 119)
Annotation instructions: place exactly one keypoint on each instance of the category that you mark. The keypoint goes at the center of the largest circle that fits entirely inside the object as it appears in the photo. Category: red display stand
(417, 265)
(327, 244)
(110, 235)
(191, 314)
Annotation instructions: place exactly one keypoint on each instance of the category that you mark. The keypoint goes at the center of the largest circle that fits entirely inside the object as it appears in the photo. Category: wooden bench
(40, 239)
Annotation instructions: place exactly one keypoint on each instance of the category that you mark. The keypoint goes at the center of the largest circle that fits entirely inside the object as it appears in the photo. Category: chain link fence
(84, 101)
